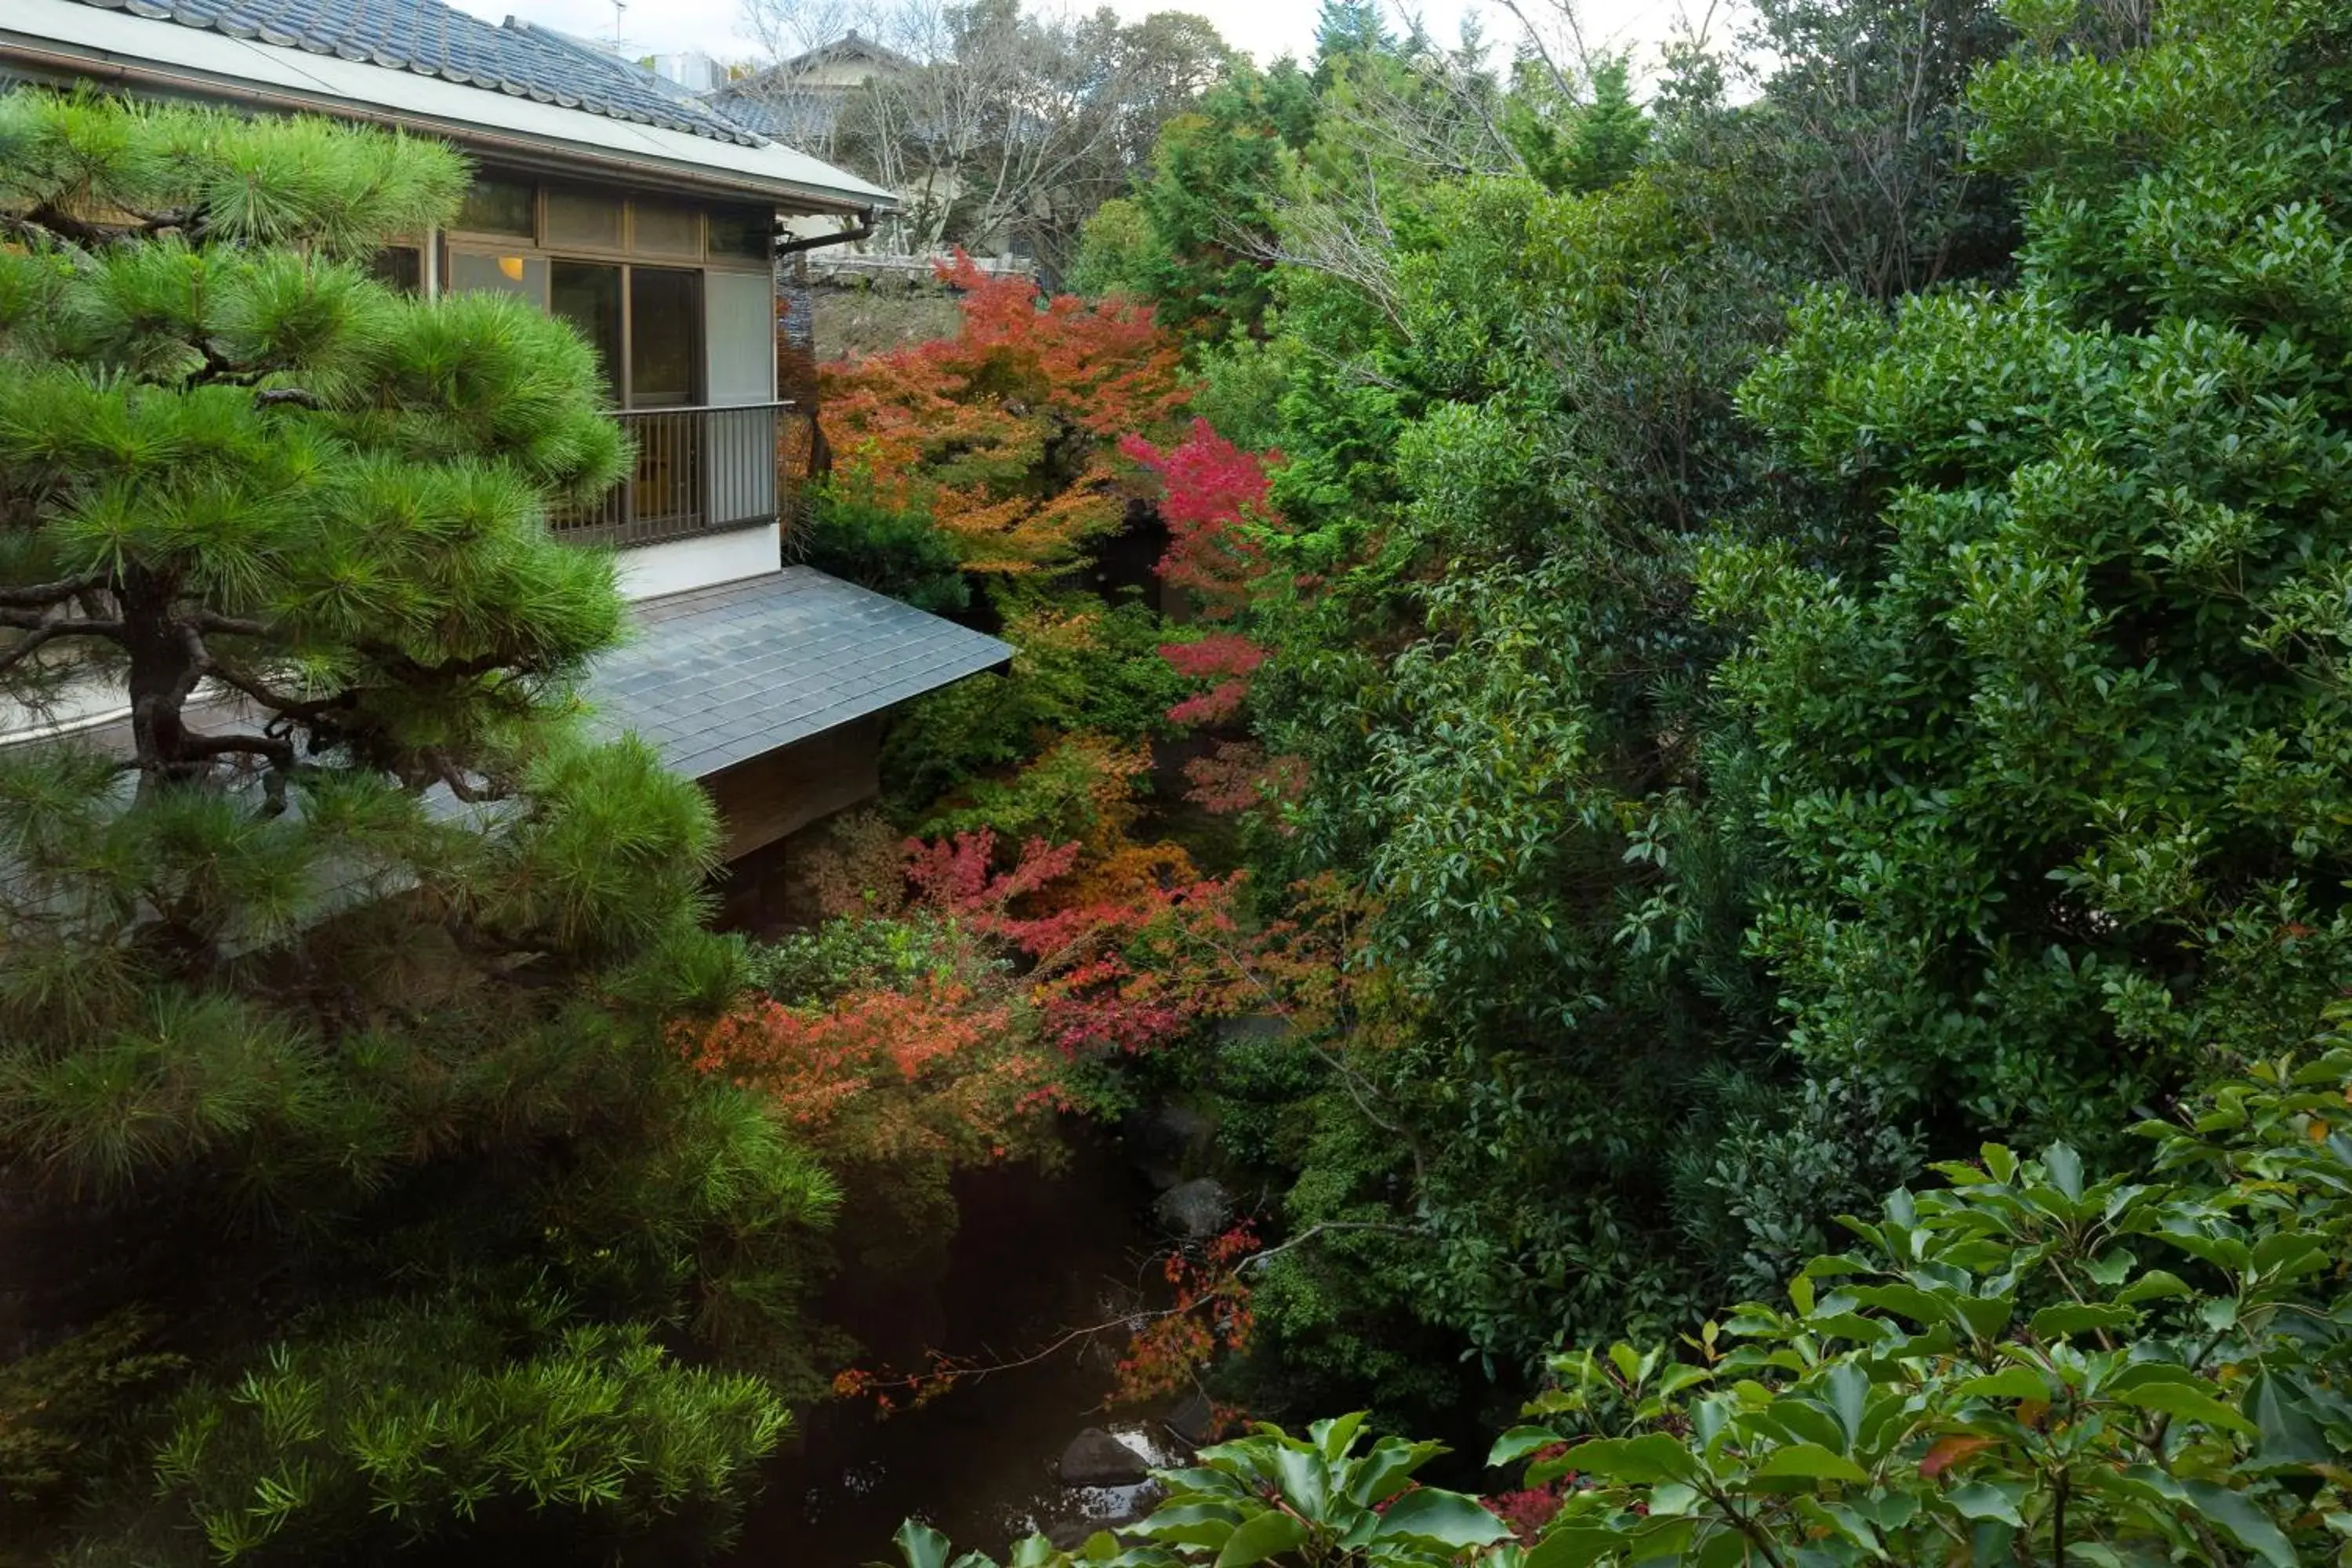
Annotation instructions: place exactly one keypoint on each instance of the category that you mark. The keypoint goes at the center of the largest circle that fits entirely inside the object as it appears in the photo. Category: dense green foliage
(1811, 629)
(1762, 644)
(2028, 1366)
(2055, 751)
(1329, 1496)
(356, 1195)
(852, 534)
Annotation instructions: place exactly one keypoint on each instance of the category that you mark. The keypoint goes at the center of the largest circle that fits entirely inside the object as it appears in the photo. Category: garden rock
(1194, 1211)
(1095, 1458)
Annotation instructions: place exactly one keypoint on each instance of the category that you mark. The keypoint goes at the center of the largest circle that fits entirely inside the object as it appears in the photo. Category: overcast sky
(1264, 27)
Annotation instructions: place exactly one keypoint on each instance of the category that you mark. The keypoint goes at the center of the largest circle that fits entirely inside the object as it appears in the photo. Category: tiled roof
(719, 675)
(802, 119)
(431, 38)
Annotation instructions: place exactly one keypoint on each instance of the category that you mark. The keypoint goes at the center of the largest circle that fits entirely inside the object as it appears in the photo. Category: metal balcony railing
(697, 470)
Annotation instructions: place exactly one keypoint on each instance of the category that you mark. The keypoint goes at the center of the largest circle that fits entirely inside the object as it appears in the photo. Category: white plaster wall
(657, 569)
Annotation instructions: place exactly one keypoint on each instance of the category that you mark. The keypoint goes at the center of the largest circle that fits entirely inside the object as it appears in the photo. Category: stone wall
(871, 304)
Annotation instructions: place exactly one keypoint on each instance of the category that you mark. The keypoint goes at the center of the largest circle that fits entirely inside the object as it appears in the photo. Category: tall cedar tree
(354, 1190)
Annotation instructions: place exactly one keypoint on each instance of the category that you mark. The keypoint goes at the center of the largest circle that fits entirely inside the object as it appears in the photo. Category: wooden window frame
(477, 241)
(467, 245)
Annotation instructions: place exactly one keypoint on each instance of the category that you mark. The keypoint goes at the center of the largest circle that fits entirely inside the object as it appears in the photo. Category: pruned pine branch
(25, 647)
(277, 749)
(56, 593)
(301, 709)
(54, 626)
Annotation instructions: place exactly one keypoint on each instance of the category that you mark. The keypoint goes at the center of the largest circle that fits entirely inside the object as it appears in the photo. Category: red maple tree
(1003, 433)
(1215, 499)
(1213, 493)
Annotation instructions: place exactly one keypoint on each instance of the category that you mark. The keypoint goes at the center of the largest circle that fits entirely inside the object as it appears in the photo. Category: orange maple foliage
(884, 1074)
(1210, 1316)
(1238, 776)
(1123, 952)
(1082, 787)
(1119, 950)
(1037, 963)
(1035, 958)
(1005, 433)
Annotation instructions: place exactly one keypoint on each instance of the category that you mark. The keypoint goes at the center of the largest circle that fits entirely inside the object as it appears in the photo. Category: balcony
(697, 471)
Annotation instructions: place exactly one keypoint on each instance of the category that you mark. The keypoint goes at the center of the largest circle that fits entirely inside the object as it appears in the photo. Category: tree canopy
(1636, 691)
(1804, 615)
(339, 1108)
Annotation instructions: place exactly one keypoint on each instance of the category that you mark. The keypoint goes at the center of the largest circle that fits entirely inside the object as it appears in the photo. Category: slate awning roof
(717, 676)
(432, 38)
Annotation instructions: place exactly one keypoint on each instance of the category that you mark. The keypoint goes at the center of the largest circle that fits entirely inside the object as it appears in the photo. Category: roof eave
(514, 146)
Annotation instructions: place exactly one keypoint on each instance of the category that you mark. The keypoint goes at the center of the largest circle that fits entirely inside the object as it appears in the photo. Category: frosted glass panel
(740, 309)
(743, 233)
(582, 217)
(664, 230)
(498, 207)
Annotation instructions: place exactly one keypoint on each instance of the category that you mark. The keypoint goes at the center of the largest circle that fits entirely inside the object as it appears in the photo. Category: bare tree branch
(992, 125)
(37, 621)
(64, 588)
(26, 646)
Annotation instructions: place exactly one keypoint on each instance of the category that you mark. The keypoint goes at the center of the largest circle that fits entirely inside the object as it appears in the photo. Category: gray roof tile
(434, 39)
(718, 676)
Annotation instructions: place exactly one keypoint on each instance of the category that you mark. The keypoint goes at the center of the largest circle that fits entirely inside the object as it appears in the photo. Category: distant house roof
(805, 116)
(850, 46)
(597, 56)
(718, 676)
(782, 101)
(516, 91)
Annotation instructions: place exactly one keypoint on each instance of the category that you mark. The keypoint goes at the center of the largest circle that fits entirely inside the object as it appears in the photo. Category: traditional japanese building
(654, 223)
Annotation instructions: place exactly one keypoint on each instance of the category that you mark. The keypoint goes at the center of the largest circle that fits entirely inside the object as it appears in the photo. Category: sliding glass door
(646, 326)
(588, 295)
(665, 337)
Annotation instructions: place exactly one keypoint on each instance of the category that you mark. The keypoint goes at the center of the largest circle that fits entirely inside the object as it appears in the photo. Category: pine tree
(1346, 27)
(1610, 133)
(1571, 145)
(340, 1101)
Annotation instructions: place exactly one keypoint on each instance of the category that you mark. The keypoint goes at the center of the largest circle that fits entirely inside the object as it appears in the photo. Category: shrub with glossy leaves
(1326, 1497)
(2031, 1365)
(2054, 735)
(2028, 1365)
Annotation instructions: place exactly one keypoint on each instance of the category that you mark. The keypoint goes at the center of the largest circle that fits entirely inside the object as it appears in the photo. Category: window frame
(453, 242)
(625, 377)
(478, 240)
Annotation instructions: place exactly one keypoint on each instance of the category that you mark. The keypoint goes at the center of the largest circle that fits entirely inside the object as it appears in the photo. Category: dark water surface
(1037, 1253)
